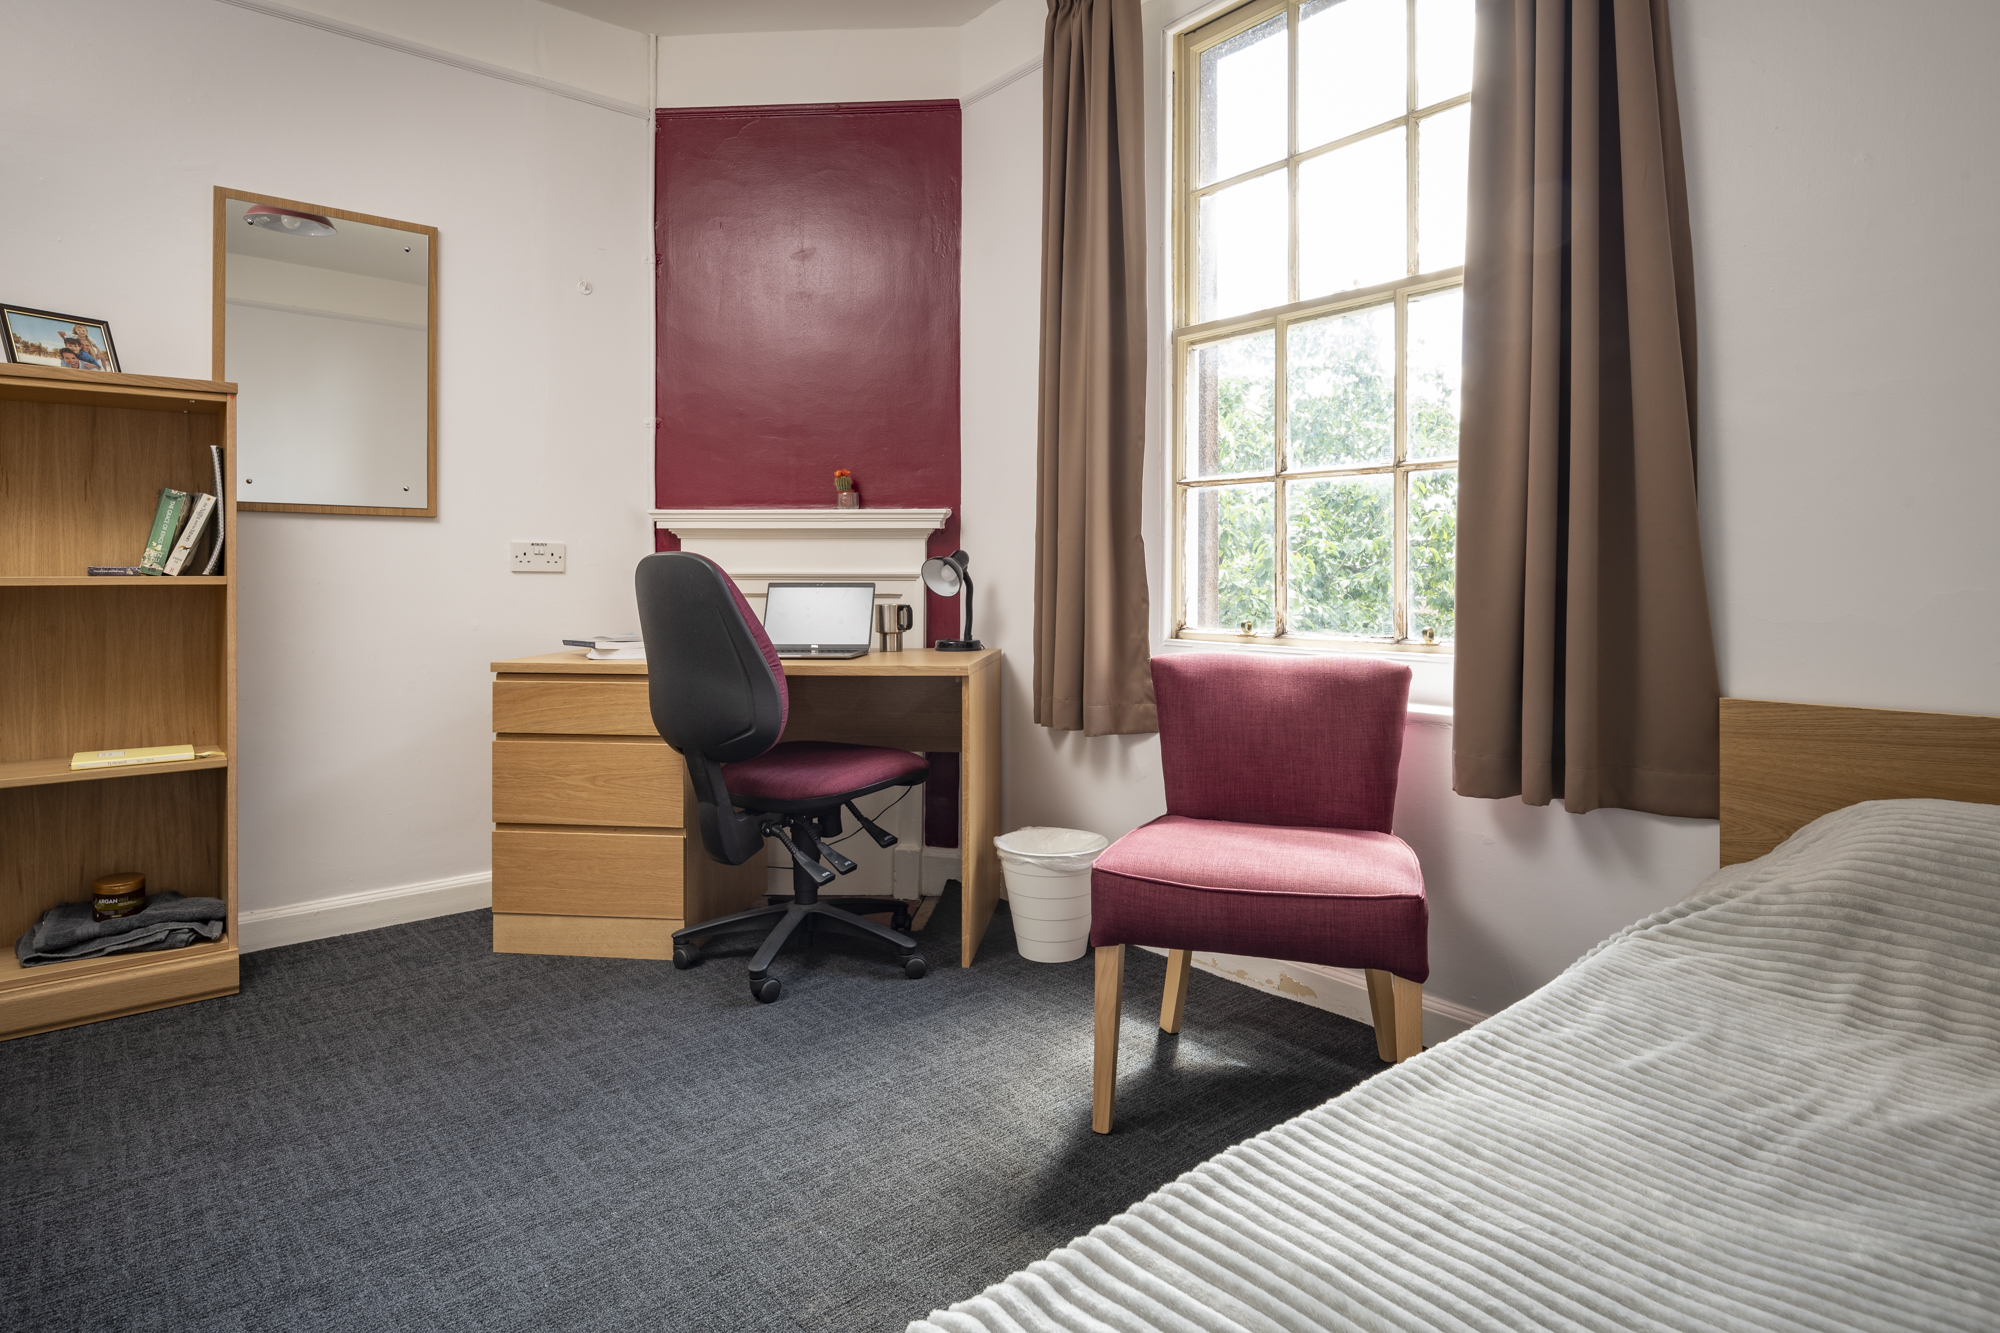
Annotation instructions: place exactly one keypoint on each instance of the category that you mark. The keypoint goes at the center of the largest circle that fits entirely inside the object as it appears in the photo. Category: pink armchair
(1281, 786)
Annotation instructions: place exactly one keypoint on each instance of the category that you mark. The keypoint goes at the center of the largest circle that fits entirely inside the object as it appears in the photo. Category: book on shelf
(151, 754)
(167, 518)
(114, 571)
(197, 523)
(214, 565)
(180, 521)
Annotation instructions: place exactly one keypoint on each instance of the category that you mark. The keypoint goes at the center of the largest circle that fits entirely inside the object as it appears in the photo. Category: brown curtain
(1586, 664)
(1092, 638)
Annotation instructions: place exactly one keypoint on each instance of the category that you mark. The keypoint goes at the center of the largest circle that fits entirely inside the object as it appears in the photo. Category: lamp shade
(945, 575)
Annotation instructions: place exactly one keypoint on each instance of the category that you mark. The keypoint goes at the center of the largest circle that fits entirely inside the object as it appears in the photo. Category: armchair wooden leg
(1171, 1003)
(1398, 1007)
(1104, 1069)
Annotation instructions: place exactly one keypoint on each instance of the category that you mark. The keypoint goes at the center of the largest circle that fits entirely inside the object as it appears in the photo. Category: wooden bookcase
(97, 663)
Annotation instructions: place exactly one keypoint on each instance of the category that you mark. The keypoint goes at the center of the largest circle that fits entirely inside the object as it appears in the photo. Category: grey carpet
(403, 1130)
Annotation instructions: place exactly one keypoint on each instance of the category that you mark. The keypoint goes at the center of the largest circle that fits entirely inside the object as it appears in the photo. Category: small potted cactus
(844, 494)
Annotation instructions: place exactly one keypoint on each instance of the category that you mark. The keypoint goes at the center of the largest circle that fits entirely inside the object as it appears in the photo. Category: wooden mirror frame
(221, 284)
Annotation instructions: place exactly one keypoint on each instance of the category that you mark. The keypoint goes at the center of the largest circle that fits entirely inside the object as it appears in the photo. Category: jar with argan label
(117, 895)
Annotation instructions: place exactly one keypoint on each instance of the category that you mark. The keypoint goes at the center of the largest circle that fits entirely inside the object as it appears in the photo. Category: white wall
(999, 43)
(522, 35)
(1840, 163)
(364, 642)
(790, 68)
(304, 436)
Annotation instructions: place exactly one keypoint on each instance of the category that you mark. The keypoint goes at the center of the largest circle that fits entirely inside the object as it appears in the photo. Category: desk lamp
(945, 575)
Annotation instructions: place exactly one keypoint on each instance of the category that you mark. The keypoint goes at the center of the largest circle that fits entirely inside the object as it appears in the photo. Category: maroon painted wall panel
(808, 309)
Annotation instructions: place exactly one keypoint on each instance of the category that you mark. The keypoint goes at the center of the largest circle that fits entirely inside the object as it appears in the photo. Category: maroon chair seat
(1342, 897)
(792, 772)
(1280, 776)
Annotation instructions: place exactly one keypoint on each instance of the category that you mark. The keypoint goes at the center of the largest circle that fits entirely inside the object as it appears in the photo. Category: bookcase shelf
(102, 663)
(39, 772)
(113, 581)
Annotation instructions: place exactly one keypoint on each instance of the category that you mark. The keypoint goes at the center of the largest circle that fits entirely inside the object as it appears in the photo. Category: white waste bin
(1048, 889)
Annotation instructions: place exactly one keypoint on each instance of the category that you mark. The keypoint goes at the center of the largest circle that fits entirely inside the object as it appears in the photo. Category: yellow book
(156, 754)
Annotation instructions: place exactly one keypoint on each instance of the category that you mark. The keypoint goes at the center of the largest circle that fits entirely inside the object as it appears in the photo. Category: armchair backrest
(1308, 742)
(715, 683)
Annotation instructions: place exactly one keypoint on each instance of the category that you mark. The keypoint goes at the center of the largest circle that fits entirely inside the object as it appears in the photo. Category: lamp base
(959, 646)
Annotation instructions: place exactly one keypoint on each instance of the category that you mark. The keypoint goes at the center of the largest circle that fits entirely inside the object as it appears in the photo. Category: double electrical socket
(536, 557)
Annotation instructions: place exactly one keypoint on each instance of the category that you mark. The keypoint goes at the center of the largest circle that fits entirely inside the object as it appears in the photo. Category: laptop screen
(827, 615)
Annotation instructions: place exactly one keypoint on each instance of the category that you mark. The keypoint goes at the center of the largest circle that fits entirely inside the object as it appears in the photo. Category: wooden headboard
(1785, 765)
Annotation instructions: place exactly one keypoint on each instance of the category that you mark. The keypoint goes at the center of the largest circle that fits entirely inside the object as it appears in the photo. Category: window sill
(1308, 647)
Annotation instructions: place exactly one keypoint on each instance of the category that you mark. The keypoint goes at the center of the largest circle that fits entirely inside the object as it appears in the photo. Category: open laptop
(819, 619)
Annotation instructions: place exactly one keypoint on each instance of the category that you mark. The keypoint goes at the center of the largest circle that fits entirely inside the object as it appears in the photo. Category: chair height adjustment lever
(882, 836)
(816, 872)
(826, 850)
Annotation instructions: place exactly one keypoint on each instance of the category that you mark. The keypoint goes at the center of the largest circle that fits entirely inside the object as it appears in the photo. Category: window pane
(1351, 217)
(1242, 99)
(1353, 67)
(1231, 390)
(1443, 149)
(1229, 557)
(1444, 49)
(1340, 390)
(1433, 546)
(1437, 322)
(1339, 550)
(1243, 247)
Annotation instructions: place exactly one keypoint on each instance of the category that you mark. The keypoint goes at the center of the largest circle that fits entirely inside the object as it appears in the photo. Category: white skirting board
(1340, 990)
(270, 927)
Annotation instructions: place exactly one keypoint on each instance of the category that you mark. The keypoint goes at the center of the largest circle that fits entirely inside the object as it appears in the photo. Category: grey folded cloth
(167, 921)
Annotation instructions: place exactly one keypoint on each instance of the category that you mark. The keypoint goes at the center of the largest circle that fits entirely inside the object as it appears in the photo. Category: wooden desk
(591, 848)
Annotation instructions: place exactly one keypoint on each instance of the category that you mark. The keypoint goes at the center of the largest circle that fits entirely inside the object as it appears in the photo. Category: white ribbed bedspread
(1775, 1105)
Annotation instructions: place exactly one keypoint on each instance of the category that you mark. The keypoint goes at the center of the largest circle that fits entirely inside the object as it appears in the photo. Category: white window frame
(1183, 206)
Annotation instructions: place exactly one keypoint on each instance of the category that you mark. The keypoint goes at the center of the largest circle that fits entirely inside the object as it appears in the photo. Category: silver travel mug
(892, 622)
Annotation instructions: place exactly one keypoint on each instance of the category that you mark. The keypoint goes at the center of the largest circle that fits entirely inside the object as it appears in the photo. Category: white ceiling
(354, 247)
(683, 18)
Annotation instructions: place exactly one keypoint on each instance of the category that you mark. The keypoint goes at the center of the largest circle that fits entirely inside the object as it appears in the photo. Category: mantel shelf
(826, 521)
(41, 772)
(113, 581)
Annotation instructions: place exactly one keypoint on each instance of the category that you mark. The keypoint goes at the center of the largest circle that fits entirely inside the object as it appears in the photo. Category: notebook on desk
(819, 619)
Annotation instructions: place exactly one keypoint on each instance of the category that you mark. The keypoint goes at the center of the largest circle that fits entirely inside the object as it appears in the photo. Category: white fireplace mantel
(758, 546)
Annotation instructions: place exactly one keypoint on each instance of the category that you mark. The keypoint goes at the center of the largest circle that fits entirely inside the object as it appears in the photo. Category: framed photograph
(44, 338)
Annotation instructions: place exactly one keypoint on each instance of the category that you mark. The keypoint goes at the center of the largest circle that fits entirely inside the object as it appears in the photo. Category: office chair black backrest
(715, 684)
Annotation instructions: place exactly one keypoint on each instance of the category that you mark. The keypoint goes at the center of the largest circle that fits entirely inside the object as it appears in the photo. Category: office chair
(1281, 788)
(718, 698)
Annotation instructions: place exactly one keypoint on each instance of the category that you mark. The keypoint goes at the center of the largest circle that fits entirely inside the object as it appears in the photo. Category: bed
(1774, 1105)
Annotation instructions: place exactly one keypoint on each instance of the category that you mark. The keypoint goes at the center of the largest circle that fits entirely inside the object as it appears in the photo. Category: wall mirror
(326, 321)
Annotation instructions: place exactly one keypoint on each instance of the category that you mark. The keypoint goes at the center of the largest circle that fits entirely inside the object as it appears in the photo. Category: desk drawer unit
(593, 852)
(590, 848)
(629, 782)
(584, 707)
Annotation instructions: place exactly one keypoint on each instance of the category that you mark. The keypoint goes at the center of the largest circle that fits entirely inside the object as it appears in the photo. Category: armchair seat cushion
(1340, 897)
(800, 773)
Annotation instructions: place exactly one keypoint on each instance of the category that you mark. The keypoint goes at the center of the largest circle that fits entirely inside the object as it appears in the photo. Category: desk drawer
(611, 782)
(573, 708)
(592, 873)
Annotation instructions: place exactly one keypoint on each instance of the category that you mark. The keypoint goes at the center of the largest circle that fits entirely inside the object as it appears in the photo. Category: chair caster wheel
(686, 956)
(900, 920)
(764, 989)
(914, 966)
